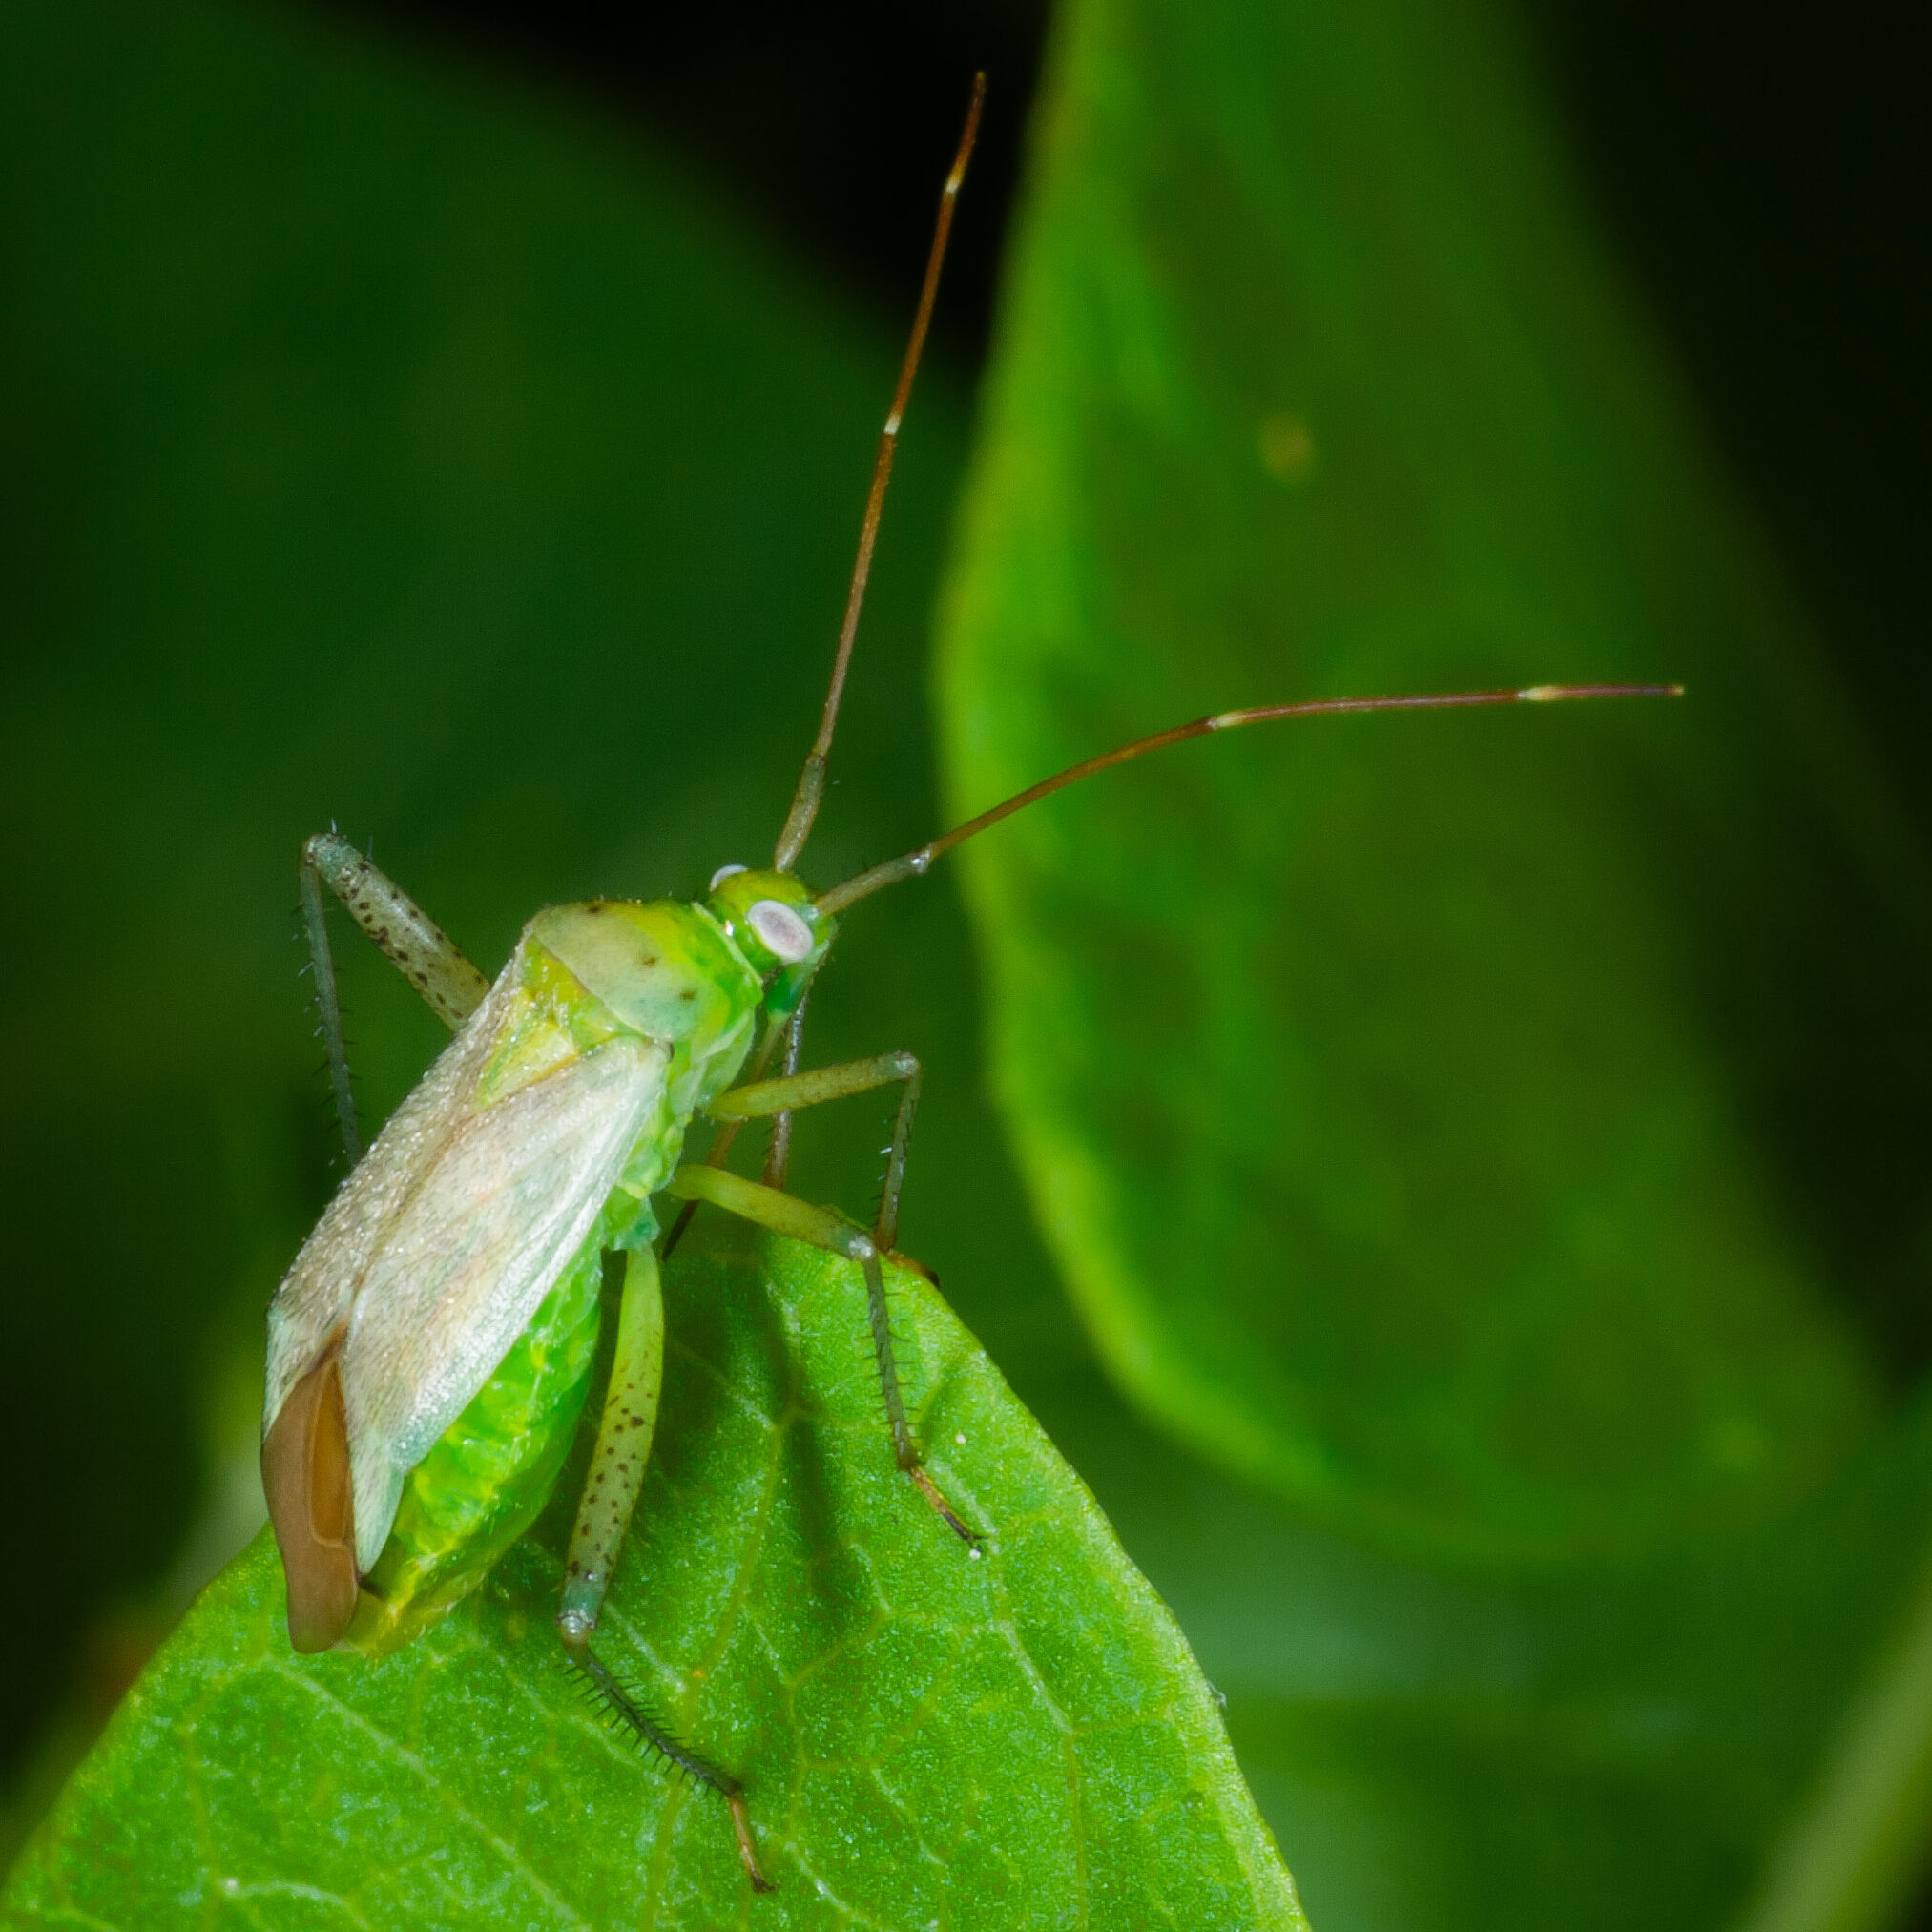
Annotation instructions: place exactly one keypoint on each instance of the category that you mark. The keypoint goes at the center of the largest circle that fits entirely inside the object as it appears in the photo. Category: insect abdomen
(488, 1475)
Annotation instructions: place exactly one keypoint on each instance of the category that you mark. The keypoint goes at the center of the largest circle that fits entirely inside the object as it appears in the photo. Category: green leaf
(926, 1737)
(1487, 1129)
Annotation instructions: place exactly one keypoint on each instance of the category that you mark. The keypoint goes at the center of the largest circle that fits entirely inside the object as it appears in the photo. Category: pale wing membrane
(487, 1231)
(440, 1246)
(313, 1302)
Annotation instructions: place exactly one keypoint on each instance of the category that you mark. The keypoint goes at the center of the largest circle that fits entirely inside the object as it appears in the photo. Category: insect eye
(786, 936)
(723, 873)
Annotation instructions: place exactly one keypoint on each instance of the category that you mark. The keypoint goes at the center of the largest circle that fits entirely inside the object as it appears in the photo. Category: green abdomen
(489, 1475)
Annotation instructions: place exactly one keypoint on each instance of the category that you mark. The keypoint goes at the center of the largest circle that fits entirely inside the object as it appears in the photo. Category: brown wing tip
(312, 1505)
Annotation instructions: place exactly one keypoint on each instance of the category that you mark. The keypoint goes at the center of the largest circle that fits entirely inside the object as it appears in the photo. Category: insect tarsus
(625, 1708)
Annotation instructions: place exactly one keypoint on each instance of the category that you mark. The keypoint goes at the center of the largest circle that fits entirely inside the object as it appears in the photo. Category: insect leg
(778, 1154)
(617, 1475)
(818, 1227)
(761, 1097)
(328, 1004)
(422, 953)
(788, 1036)
(623, 1448)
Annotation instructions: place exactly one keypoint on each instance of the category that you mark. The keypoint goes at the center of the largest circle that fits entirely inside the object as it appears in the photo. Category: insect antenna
(911, 864)
(811, 789)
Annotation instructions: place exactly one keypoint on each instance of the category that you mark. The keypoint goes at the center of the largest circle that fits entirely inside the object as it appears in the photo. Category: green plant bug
(430, 1349)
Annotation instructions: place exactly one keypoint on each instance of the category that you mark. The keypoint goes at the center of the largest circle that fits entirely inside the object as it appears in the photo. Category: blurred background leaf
(1442, 1121)
(387, 440)
(1503, 1142)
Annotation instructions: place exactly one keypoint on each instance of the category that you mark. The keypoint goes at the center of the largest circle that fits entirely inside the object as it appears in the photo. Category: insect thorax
(664, 970)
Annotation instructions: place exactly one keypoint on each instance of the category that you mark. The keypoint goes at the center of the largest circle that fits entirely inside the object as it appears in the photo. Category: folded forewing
(463, 1262)
(311, 1310)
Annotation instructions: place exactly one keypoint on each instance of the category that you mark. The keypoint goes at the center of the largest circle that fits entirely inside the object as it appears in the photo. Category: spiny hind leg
(611, 1490)
(786, 1215)
(425, 956)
